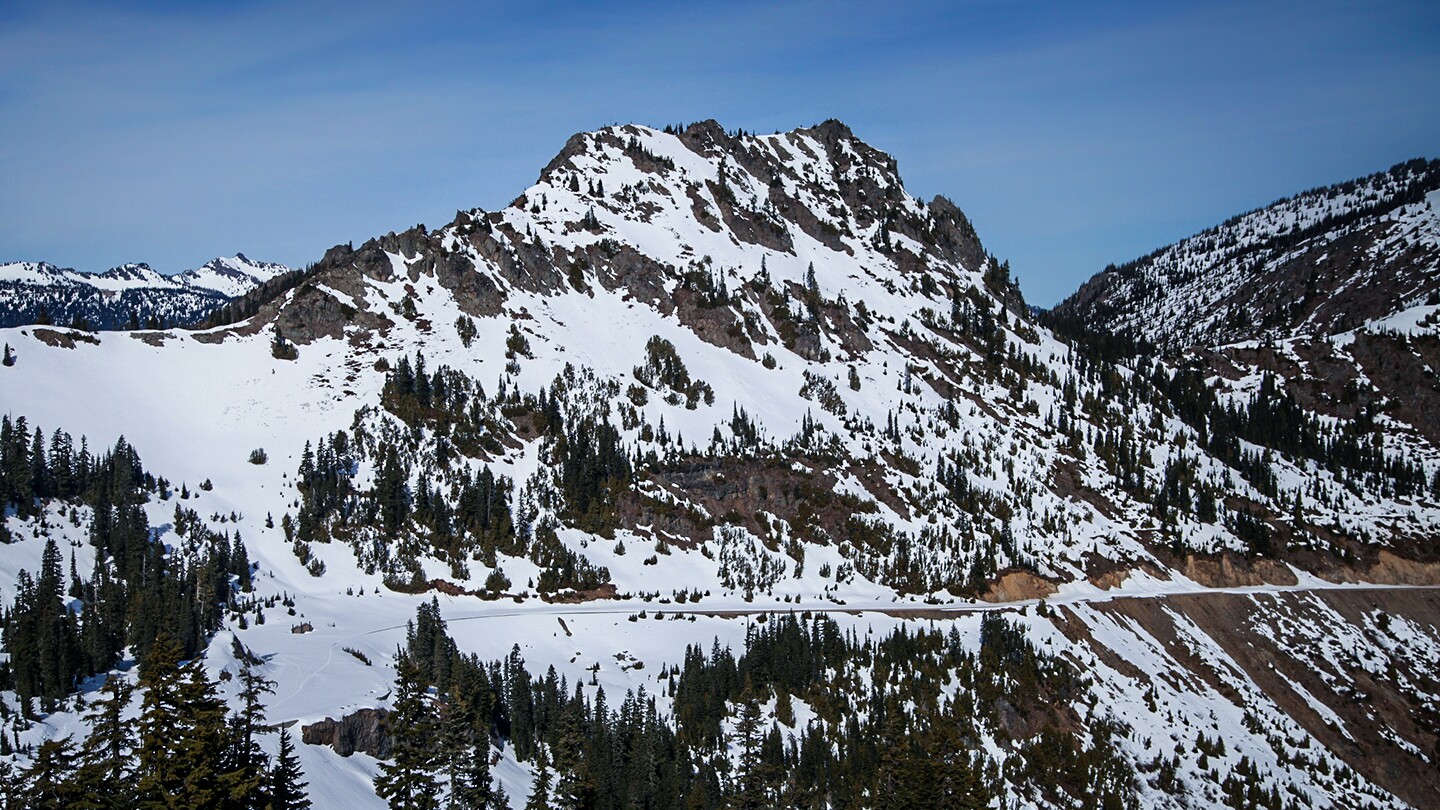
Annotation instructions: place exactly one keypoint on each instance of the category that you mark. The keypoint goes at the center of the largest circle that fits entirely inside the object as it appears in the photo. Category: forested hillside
(691, 478)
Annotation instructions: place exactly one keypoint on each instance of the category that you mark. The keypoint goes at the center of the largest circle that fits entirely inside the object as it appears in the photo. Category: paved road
(732, 608)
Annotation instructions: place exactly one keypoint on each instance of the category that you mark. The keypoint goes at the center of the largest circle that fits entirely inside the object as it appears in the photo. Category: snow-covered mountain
(691, 382)
(131, 295)
(1319, 263)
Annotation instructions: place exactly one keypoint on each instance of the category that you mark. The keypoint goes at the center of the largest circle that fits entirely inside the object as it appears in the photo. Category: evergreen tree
(247, 763)
(107, 755)
(48, 782)
(540, 793)
(572, 785)
(749, 786)
(182, 724)
(11, 788)
(286, 790)
(466, 750)
(408, 780)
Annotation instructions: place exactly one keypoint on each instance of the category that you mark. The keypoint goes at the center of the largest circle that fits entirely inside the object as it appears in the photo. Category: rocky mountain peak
(131, 271)
(645, 210)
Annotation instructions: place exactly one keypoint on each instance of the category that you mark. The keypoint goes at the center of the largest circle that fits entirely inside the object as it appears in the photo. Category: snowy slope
(870, 341)
(232, 276)
(1318, 263)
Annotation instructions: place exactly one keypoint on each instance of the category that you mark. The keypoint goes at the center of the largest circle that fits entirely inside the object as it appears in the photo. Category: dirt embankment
(1385, 732)
(1234, 571)
(1018, 586)
(1387, 569)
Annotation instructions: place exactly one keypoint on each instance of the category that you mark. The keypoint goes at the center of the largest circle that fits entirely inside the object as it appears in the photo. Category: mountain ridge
(130, 294)
(695, 371)
(1282, 270)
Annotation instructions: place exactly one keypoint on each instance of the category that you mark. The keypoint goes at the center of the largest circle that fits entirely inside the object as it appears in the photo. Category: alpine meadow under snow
(717, 470)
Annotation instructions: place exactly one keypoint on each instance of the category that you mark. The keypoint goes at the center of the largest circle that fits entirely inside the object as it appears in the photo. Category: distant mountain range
(128, 296)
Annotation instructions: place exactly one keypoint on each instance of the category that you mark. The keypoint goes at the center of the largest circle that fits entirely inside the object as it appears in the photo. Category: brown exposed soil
(1017, 586)
(1230, 570)
(606, 591)
(1387, 569)
(1067, 484)
(1378, 704)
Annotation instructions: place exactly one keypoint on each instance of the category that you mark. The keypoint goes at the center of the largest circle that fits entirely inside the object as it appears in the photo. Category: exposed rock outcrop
(362, 731)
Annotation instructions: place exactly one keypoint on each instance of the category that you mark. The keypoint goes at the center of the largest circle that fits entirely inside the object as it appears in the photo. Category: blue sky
(1073, 135)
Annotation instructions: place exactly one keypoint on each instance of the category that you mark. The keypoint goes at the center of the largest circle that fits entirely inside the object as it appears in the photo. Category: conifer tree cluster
(884, 734)
(432, 494)
(424, 491)
(63, 627)
(184, 750)
(664, 368)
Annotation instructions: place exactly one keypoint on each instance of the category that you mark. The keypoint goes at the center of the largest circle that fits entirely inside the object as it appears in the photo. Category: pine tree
(540, 793)
(11, 789)
(48, 783)
(244, 760)
(466, 750)
(749, 786)
(107, 755)
(408, 780)
(286, 791)
(9, 359)
(572, 786)
(182, 725)
(201, 739)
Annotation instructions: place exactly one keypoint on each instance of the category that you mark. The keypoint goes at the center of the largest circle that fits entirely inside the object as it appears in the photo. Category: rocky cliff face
(362, 730)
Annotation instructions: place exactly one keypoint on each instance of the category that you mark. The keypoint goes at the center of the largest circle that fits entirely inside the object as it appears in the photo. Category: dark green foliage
(884, 728)
(465, 329)
(42, 635)
(243, 757)
(594, 468)
(427, 496)
(562, 568)
(182, 734)
(516, 344)
(287, 789)
(107, 755)
(1273, 419)
(407, 781)
(471, 514)
(282, 349)
(708, 285)
(664, 369)
(63, 628)
(49, 783)
(646, 159)
(183, 752)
